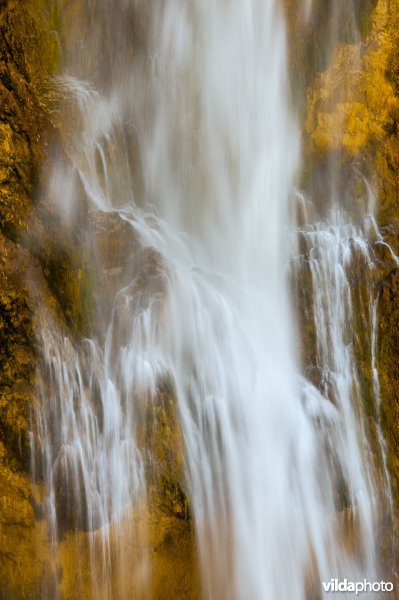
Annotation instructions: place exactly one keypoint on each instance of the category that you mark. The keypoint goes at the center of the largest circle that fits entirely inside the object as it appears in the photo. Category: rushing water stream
(190, 147)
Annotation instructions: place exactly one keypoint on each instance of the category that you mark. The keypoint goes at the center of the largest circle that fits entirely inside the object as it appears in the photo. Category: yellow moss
(150, 555)
(350, 104)
(24, 550)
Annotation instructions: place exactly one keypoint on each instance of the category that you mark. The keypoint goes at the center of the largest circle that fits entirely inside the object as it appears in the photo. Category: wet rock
(385, 259)
(24, 550)
(17, 356)
(146, 290)
(322, 380)
(115, 242)
(165, 448)
(388, 361)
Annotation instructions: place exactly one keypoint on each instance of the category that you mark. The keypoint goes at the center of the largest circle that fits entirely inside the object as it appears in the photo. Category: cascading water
(190, 147)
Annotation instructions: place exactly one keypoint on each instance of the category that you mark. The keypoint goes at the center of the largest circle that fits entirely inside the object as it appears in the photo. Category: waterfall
(180, 139)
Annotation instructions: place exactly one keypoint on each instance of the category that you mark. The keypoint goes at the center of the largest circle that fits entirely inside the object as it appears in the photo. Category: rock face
(351, 116)
(23, 76)
(46, 276)
(389, 361)
(358, 95)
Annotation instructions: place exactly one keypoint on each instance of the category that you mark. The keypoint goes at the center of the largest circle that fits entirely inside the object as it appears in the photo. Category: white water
(271, 461)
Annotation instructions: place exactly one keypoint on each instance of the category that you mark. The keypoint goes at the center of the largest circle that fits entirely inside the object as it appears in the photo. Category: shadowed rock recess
(348, 99)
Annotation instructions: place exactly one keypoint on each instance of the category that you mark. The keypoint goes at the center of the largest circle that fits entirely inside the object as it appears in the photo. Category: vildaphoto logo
(358, 587)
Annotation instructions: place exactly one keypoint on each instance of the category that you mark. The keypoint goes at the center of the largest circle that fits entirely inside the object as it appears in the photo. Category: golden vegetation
(353, 114)
(353, 104)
